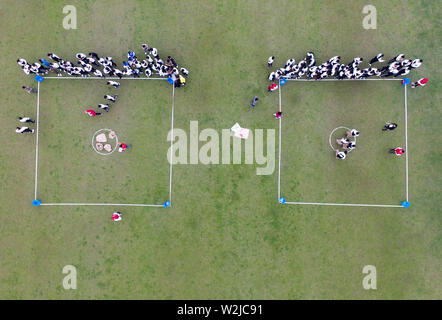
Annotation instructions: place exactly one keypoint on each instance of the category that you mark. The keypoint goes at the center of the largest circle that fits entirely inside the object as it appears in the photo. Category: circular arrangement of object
(331, 134)
(104, 142)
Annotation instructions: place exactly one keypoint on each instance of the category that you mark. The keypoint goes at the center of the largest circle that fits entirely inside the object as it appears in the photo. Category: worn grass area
(226, 236)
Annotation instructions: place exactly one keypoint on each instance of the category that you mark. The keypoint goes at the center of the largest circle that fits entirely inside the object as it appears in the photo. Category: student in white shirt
(378, 58)
(23, 130)
(341, 154)
(105, 107)
(184, 71)
(270, 61)
(25, 119)
(416, 63)
(352, 133)
(110, 98)
(113, 84)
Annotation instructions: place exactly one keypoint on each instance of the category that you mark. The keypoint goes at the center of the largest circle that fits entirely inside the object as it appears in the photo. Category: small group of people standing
(25, 129)
(390, 126)
(104, 106)
(346, 144)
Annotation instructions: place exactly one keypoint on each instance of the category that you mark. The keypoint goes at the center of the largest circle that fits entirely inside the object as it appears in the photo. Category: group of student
(397, 66)
(390, 126)
(102, 106)
(121, 146)
(94, 65)
(348, 145)
(25, 129)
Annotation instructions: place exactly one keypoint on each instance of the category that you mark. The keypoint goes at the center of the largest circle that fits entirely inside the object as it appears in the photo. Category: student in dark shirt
(389, 126)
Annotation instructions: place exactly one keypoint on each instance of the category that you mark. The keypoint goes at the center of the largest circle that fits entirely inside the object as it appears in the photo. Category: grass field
(225, 237)
(68, 170)
(369, 175)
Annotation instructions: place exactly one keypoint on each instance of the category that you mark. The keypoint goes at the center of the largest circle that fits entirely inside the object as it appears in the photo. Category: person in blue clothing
(131, 55)
(45, 63)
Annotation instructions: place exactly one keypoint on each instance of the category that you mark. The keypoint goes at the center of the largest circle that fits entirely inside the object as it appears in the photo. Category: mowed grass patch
(369, 175)
(71, 171)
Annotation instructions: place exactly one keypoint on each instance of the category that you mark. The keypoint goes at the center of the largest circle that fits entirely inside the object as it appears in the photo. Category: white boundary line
(343, 204)
(100, 204)
(99, 78)
(36, 142)
(346, 204)
(406, 142)
(279, 148)
(171, 147)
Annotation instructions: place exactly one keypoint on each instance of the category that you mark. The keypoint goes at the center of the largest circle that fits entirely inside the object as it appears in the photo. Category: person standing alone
(254, 101)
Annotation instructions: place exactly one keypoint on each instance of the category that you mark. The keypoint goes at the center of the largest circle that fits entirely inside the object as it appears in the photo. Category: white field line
(99, 78)
(36, 141)
(171, 147)
(307, 80)
(347, 204)
(98, 204)
(279, 148)
(102, 204)
(406, 143)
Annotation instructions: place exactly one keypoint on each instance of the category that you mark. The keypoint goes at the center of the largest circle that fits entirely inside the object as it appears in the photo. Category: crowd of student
(102, 67)
(94, 65)
(308, 68)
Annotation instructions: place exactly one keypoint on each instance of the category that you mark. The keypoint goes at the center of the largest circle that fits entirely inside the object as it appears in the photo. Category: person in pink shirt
(273, 87)
(116, 216)
(277, 115)
(92, 113)
(420, 83)
(398, 151)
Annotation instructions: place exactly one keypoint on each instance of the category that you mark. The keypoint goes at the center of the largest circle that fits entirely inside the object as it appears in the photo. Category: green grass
(225, 236)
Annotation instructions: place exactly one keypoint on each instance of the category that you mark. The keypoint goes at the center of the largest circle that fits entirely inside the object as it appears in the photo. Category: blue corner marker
(282, 81)
(170, 80)
(39, 78)
(406, 81)
(166, 204)
(36, 202)
(282, 200)
(405, 204)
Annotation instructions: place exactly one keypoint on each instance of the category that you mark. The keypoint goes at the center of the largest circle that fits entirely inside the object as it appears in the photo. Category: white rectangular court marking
(343, 204)
(102, 204)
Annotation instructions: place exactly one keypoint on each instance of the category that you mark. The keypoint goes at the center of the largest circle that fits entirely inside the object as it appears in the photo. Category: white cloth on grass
(236, 127)
(243, 133)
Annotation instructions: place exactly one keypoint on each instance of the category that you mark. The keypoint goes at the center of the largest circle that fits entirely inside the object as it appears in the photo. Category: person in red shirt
(122, 146)
(273, 87)
(92, 113)
(420, 83)
(116, 216)
(398, 151)
(277, 115)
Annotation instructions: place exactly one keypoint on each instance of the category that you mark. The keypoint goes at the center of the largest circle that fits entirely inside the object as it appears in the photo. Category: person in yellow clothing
(182, 80)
